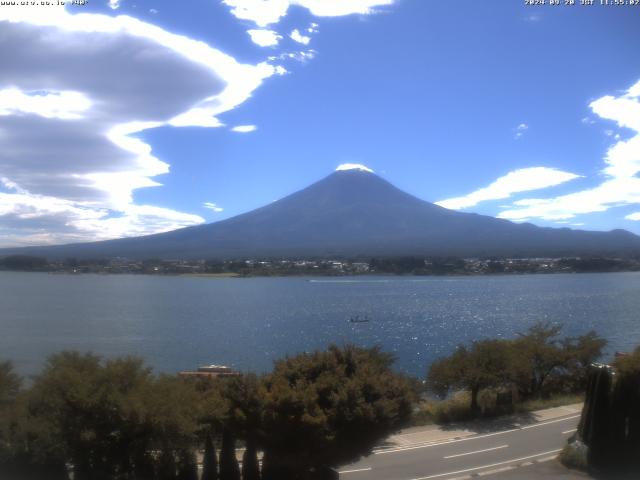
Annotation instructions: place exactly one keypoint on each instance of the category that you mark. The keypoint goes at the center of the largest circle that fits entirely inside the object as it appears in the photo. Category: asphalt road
(470, 456)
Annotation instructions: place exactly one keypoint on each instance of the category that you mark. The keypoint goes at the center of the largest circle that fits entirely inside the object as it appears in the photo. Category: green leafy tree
(628, 365)
(72, 398)
(539, 354)
(485, 365)
(331, 407)
(10, 384)
(109, 418)
(172, 409)
(580, 352)
(244, 404)
(214, 413)
(97, 412)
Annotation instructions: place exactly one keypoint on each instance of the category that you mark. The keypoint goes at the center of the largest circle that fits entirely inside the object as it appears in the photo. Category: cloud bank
(268, 12)
(264, 13)
(522, 180)
(70, 160)
(620, 185)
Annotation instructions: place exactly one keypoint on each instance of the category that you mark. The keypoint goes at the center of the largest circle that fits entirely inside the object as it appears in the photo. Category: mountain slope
(353, 213)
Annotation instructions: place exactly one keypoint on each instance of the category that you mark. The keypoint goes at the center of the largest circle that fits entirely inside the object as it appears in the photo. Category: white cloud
(30, 219)
(522, 180)
(633, 216)
(296, 36)
(267, 12)
(114, 4)
(520, 129)
(301, 56)
(280, 70)
(244, 128)
(136, 220)
(264, 37)
(312, 28)
(620, 186)
(353, 166)
(63, 105)
(614, 192)
(213, 206)
(69, 157)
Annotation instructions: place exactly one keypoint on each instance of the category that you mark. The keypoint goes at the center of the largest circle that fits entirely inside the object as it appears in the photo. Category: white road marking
(549, 422)
(487, 466)
(570, 431)
(477, 451)
(494, 471)
(368, 469)
(417, 433)
(475, 437)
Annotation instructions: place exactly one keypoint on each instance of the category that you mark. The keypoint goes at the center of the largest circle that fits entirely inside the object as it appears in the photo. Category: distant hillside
(352, 213)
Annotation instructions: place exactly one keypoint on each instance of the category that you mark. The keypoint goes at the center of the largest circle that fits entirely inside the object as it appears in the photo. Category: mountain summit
(352, 212)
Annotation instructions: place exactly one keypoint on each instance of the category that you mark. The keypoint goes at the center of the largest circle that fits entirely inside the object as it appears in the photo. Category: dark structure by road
(610, 424)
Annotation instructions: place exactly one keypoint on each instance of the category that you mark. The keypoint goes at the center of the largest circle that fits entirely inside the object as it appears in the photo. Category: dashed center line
(514, 460)
(471, 437)
(477, 451)
(368, 469)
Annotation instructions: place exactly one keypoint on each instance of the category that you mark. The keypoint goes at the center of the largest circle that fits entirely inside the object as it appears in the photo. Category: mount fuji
(352, 213)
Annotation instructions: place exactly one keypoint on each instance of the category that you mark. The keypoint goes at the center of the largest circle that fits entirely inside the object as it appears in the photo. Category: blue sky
(122, 118)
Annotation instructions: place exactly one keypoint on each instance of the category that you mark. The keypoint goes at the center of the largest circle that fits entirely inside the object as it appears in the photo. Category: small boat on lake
(359, 319)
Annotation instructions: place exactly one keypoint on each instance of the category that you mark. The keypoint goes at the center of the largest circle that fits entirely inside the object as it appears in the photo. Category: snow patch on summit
(353, 166)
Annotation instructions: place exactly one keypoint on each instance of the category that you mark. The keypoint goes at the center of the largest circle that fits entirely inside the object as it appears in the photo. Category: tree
(539, 353)
(628, 365)
(209, 461)
(580, 352)
(23, 262)
(250, 466)
(213, 414)
(485, 365)
(69, 399)
(10, 384)
(244, 404)
(172, 410)
(108, 417)
(327, 408)
(187, 465)
(229, 468)
(167, 468)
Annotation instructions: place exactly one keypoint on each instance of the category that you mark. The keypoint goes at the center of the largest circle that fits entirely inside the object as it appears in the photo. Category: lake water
(179, 323)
